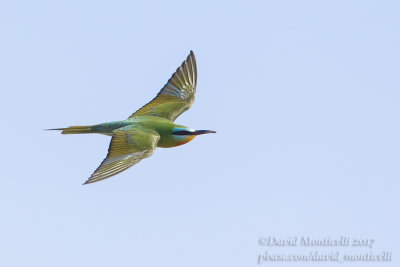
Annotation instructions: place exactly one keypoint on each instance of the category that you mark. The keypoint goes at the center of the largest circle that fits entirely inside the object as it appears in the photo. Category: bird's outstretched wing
(176, 96)
(128, 146)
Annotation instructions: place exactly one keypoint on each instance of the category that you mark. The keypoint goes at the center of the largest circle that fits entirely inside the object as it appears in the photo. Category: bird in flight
(150, 127)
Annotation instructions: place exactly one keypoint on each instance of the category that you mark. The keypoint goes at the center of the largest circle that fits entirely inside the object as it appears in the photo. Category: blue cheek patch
(177, 129)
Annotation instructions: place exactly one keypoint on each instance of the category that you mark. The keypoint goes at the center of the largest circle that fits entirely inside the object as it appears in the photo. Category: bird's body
(163, 127)
(151, 126)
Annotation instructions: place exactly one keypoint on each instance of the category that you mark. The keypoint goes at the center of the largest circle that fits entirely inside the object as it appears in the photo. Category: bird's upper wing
(176, 96)
(128, 146)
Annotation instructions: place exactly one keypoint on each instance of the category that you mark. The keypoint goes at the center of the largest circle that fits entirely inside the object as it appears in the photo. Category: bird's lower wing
(128, 146)
(176, 96)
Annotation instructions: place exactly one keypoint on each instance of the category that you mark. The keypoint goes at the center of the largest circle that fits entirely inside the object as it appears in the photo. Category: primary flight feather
(150, 127)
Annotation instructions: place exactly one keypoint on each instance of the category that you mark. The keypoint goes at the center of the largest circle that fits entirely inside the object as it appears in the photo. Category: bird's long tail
(75, 130)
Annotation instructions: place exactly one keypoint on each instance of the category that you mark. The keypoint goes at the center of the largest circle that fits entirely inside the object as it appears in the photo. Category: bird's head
(185, 134)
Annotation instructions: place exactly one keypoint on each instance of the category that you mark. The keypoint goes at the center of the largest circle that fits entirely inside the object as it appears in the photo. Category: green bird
(150, 127)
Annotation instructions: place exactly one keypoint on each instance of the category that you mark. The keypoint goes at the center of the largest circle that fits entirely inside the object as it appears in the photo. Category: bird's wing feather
(176, 96)
(128, 146)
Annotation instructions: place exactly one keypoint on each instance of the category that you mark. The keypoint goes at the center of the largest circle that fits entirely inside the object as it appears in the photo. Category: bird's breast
(185, 140)
(173, 141)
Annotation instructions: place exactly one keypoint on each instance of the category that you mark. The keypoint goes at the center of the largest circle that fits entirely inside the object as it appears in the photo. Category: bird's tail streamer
(75, 130)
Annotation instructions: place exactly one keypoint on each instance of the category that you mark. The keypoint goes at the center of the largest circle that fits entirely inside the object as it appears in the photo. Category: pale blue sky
(304, 96)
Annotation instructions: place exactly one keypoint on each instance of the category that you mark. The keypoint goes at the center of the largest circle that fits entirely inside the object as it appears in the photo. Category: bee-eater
(150, 127)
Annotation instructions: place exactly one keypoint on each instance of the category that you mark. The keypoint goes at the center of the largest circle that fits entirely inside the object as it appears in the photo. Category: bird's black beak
(198, 132)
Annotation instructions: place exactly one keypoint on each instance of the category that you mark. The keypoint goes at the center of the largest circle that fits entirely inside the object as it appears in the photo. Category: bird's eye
(181, 132)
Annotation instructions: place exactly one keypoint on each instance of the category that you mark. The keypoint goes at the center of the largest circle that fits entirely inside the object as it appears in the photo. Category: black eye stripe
(183, 133)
